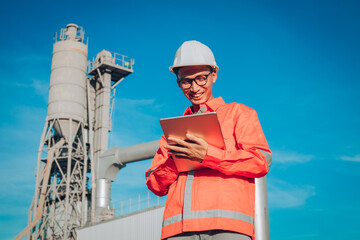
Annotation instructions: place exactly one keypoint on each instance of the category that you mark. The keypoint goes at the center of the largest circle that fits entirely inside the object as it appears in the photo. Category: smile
(198, 95)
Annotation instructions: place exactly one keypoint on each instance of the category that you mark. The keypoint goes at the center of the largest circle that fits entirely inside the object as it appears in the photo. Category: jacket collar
(211, 106)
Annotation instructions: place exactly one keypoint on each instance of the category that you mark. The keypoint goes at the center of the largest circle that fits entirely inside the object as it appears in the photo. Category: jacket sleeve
(163, 171)
(252, 156)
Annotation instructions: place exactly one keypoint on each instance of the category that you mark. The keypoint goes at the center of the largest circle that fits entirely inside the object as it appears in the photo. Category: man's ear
(214, 75)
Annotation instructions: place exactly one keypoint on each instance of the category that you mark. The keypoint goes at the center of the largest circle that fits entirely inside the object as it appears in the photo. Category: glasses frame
(191, 80)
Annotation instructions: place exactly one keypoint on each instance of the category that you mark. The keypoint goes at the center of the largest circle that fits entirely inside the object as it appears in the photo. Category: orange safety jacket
(222, 195)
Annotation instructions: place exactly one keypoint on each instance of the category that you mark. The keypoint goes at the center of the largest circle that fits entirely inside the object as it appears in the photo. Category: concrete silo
(67, 93)
(75, 134)
(60, 202)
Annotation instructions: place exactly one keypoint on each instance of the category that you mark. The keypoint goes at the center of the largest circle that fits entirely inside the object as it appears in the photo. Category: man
(217, 201)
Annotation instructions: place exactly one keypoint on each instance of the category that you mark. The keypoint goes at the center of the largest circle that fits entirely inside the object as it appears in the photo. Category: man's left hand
(193, 148)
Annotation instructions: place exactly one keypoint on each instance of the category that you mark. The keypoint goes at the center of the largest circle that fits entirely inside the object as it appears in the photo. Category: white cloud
(291, 157)
(24, 127)
(31, 115)
(138, 106)
(284, 195)
(39, 87)
(356, 158)
(17, 174)
(18, 156)
(136, 102)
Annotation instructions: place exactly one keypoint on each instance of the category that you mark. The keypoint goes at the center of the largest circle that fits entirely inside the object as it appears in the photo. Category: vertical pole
(84, 180)
(92, 160)
(68, 178)
(54, 200)
(262, 231)
(102, 127)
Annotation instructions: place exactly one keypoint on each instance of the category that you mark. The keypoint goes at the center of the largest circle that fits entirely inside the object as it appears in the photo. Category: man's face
(197, 94)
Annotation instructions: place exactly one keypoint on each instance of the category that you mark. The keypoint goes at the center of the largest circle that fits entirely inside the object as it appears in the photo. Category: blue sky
(297, 63)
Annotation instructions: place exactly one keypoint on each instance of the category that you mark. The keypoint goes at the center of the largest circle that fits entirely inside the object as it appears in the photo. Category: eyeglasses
(200, 80)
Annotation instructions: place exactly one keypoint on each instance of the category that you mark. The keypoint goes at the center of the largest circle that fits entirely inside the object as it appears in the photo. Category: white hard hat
(192, 53)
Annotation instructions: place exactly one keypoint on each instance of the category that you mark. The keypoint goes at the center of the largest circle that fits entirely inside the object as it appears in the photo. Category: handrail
(137, 203)
(116, 59)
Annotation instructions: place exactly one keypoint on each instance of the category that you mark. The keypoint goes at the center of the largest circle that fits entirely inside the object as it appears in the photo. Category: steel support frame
(65, 205)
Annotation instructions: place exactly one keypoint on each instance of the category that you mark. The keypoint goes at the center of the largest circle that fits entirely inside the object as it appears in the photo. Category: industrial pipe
(109, 164)
(112, 160)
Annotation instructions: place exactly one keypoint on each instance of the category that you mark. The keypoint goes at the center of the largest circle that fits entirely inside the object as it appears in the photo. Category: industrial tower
(75, 134)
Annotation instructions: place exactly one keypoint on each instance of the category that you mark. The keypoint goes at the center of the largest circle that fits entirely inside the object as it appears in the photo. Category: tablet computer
(204, 125)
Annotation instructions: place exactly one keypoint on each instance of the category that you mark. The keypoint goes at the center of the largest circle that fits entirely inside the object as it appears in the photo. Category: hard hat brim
(187, 65)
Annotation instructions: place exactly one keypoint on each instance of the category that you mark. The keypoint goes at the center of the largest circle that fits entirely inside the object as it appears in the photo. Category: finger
(174, 152)
(177, 148)
(178, 141)
(194, 139)
(182, 156)
(178, 154)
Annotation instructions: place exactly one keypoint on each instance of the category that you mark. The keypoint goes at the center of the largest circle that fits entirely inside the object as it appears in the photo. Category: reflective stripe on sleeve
(267, 155)
(149, 172)
(188, 214)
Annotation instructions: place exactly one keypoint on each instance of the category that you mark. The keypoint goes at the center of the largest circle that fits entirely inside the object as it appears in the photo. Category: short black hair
(176, 70)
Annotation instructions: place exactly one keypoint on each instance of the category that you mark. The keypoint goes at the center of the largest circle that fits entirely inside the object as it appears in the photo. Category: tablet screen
(204, 125)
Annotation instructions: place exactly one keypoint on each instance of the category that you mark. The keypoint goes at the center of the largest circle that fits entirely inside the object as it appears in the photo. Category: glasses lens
(201, 80)
(185, 84)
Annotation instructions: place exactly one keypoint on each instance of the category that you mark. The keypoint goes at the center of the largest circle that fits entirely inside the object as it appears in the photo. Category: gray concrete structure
(75, 134)
(67, 92)
(64, 207)
(107, 71)
(141, 225)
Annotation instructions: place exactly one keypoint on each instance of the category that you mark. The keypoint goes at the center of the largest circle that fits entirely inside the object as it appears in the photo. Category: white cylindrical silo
(67, 94)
